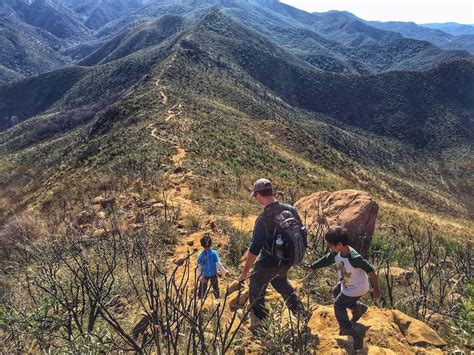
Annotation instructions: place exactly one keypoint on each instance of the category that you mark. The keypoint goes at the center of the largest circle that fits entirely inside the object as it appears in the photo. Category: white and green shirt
(352, 269)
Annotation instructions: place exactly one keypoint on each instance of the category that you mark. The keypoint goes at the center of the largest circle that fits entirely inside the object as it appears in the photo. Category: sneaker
(359, 310)
(255, 323)
(358, 339)
(358, 342)
(347, 331)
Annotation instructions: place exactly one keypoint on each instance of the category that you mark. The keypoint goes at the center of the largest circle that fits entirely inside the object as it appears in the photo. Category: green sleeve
(358, 261)
(326, 260)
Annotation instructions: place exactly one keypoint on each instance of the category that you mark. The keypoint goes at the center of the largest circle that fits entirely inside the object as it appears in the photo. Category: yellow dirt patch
(244, 224)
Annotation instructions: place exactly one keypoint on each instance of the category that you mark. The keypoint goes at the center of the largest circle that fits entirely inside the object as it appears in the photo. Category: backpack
(286, 236)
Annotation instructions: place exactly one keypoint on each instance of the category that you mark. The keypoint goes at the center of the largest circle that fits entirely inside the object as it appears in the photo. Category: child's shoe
(358, 339)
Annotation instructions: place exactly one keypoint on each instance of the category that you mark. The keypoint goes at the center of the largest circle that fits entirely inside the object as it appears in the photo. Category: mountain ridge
(334, 42)
(241, 65)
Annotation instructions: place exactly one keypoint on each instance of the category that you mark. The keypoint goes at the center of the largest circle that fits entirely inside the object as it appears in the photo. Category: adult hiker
(279, 242)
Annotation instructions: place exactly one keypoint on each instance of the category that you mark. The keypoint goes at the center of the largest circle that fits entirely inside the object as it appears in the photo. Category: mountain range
(246, 88)
(41, 35)
(452, 28)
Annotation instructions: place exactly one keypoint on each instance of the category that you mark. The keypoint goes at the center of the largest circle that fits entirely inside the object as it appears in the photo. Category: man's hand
(243, 276)
(248, 265)
(376, 293)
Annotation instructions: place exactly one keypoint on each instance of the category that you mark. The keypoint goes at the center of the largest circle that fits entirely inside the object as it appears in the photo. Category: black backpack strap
(268, 220)
(269, 217)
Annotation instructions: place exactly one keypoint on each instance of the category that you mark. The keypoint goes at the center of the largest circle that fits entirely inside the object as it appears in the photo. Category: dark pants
(341, 303)
(278, 278)
(203, 286)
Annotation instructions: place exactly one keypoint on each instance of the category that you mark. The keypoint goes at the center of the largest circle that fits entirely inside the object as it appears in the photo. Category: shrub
(238, 243)
(193, 222)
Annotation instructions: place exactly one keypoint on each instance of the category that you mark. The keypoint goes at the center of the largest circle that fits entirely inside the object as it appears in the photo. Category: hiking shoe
(255, 323)
(359, 310)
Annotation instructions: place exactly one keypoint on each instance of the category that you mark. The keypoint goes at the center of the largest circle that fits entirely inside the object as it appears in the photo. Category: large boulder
(352, 209)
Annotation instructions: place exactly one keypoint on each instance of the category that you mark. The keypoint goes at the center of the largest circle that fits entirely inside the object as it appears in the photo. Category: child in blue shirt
(208, 265)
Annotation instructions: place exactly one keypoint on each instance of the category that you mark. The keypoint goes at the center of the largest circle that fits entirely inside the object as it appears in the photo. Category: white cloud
(419, 11)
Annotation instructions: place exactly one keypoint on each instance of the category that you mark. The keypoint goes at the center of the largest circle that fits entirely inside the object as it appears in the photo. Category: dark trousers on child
(278, 277)
(203, 286)
(341, 304)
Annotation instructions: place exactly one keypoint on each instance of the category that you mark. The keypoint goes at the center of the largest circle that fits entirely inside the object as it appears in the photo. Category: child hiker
(354, 282)
(208, 264)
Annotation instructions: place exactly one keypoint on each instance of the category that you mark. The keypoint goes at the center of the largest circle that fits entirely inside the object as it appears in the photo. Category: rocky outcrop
(104, 202)
(352, 209)
(385, 332)
(416, 332)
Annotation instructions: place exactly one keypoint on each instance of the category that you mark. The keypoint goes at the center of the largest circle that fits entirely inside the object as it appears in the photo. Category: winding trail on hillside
(172, 113)
(180, 178)
(180, 181)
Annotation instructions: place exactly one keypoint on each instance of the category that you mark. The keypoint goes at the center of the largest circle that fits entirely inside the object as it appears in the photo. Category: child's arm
(219, 266)
(199, 268)
(375, 285)
(359, 262)
(326, 260)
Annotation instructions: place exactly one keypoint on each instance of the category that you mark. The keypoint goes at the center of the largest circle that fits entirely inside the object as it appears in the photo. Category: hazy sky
(419, 11)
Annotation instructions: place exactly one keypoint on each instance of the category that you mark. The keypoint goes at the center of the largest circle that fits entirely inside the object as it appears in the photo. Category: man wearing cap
(267, 269)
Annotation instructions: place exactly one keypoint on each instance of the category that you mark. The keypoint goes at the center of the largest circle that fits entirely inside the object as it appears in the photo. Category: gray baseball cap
(260, 185)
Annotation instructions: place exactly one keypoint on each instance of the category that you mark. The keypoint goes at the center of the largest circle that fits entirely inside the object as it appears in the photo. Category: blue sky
(419, 11)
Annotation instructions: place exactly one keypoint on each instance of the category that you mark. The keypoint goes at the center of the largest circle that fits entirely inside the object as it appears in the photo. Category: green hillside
(439, 38)
(333, 41)
(27, 50)
(143, 36)
(386, 133)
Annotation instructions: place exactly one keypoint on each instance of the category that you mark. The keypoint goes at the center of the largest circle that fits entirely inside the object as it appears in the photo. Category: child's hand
(307, 267)
(376, 293)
